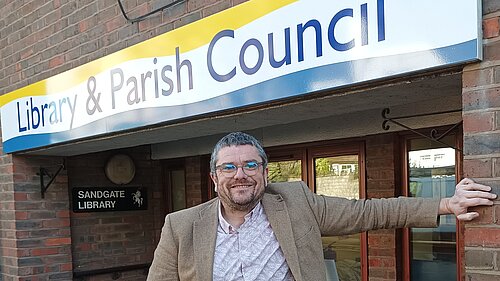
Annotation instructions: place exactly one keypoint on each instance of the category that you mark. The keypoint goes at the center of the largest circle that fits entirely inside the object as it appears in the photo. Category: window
(333, 171)
(344, 250)
(284, 171)
(174, 178)
(431, 253)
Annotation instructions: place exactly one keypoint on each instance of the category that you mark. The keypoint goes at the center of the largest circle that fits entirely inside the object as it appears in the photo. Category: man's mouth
(241, 186)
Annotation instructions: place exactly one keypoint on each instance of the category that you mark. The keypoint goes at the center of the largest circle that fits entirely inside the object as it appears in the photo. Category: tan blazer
(298, 218)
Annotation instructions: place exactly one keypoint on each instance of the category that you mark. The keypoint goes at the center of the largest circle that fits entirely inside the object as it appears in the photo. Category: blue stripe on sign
(290, 85)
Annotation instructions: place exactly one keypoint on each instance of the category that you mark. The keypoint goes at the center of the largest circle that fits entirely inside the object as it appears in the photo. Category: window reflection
(339, 176)
(432, 175)
(285, 171)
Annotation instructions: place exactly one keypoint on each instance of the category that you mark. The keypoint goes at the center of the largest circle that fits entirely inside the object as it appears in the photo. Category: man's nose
(240, 174)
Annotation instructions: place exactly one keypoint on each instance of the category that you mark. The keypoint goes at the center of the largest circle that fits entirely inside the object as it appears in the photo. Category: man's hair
(236, 139)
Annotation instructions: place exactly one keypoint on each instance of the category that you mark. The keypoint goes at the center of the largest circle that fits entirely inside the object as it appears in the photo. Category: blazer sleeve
(164, 265)
(340, 216)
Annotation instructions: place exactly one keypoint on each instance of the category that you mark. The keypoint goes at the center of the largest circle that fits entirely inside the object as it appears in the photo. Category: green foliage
(284, 171)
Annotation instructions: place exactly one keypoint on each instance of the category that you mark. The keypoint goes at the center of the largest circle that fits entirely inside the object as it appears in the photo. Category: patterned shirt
(250, 252)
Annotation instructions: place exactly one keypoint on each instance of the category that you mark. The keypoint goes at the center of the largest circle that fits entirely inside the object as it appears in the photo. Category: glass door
(334, 170)
(339, 176)
(431, 174)
(287, 165)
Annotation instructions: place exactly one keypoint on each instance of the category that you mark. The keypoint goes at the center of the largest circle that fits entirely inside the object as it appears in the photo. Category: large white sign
(256, 52)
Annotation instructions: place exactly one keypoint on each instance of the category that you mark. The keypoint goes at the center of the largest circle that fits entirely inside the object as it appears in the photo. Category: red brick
(63, 214)
(382, 262)
(380, 193)
(237, 2)
(29, 278)
(482, 236)
(45, 251)
(496, 167)
(196, 4)
(57, 241)
(486, 215)
(26, 53)
(84, 247)
(386, 241)
(491, 51)
(479, 122)
(222, 5)
(20, 177)
(381, 252)
(491, 28)
(66, 267)
(82, 26)
(56, 61)
(476, 78)
(20, 196)
(51, 223)
(114, 24)
(23, 252)
(9, 252)
(497, 126)
(384, 273)
(479, 259)
(496, 211)
(21, 215)
(479, 168)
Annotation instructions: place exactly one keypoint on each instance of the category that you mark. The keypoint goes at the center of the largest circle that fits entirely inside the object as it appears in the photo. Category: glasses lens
(249, 168)
(228, 168)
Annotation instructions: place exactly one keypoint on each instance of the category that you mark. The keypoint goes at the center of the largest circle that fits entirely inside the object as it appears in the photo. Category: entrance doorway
(332, 170)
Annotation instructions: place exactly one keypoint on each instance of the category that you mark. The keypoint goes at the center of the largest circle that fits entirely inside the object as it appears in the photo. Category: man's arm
(467, 194)
(164, 266)
(340, 216)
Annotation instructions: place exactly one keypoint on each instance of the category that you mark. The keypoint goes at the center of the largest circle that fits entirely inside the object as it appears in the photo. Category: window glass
(284, 171)
(178, 190)
(339, 176)
(432, 175)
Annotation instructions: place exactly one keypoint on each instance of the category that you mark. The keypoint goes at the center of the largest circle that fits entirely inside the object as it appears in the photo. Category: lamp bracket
(44, 172)
(434, 134)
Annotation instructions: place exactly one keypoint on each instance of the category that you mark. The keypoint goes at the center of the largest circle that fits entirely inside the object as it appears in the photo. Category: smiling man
(259, 231)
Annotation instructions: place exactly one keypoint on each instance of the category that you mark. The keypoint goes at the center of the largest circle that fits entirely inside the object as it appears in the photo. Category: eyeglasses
(229, 169)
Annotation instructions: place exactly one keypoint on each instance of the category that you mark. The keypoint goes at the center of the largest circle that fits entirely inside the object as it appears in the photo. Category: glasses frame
(233, 173)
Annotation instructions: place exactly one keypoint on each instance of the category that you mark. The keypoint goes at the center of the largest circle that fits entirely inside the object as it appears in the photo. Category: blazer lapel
(204, 236)
(277, 214)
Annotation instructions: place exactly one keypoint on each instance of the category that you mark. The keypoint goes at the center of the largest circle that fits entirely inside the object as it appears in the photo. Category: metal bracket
(143, 17)
(434, 135)
(43, 173)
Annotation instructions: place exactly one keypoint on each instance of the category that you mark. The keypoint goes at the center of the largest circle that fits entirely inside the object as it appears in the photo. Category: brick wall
(481, 115)
(39, 39)
(7, 212)
(113, 239)
(382, 178)
(35, 238)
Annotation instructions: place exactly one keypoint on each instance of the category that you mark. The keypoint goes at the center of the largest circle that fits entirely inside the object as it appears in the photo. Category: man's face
(240, 191)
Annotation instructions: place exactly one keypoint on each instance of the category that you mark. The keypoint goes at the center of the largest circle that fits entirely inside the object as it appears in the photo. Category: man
(256, 231)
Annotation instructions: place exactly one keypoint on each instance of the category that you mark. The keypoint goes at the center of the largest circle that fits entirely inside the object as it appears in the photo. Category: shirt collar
(227, 227)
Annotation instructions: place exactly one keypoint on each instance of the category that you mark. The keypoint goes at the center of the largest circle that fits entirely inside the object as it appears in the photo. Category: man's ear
(266, 173)
(213, 176)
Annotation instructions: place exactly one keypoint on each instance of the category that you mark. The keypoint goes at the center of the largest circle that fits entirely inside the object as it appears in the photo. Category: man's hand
(467, 194)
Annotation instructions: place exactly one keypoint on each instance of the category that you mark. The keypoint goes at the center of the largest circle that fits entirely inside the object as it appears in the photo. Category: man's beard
(247, 204)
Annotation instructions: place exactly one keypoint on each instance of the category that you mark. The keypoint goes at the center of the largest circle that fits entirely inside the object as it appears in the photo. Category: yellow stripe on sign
(187, 38)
